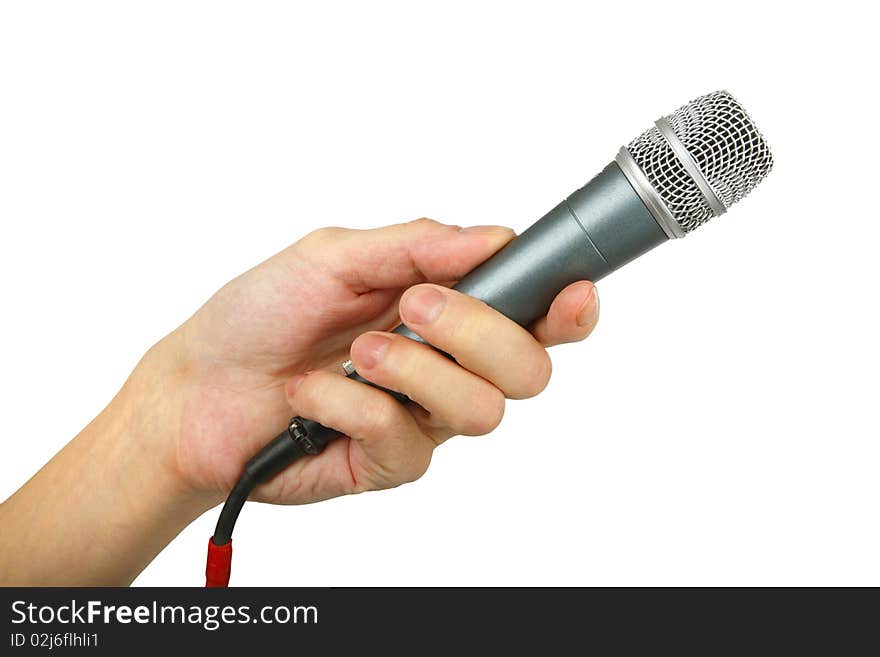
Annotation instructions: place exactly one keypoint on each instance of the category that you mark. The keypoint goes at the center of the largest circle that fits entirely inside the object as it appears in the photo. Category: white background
(720, 426)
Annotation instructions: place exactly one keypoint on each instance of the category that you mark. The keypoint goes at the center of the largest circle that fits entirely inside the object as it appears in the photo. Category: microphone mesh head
(726, 147)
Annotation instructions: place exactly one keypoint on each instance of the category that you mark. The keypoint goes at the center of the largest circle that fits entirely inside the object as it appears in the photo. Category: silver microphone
(691, 166)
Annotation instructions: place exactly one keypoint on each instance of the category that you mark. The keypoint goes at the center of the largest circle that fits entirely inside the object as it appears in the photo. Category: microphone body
(691, 166)
(597, 229)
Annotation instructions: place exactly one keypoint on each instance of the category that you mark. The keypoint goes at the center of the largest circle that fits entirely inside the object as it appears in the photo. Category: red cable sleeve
(219, 564)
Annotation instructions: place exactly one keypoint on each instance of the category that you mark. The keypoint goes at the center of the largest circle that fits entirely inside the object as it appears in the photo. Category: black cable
(301, 438)
(237, 497)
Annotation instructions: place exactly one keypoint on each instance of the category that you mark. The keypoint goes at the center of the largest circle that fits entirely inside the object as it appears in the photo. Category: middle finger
(480, 338)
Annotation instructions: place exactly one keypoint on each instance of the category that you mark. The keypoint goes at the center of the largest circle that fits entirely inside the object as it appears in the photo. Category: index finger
(405, 254)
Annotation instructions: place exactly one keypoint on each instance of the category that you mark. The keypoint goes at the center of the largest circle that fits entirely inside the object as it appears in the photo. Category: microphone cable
(301, 438)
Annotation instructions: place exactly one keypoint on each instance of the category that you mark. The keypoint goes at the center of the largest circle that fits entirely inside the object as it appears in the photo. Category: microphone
(692, 165)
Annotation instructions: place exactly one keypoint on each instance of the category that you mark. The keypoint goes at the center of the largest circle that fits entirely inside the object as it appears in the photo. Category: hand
(270, 343)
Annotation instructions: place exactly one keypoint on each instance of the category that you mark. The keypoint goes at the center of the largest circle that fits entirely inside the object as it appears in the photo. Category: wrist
(151, 407)
(112, 498)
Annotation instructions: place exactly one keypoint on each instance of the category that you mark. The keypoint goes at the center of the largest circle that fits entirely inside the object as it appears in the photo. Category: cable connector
(219, 565)
(301, 437)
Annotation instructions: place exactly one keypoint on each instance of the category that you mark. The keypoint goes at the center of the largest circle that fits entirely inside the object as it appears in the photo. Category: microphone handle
(594, 231)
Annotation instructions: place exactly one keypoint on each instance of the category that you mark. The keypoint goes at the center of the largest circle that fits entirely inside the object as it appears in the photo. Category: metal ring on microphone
(648, 194)
(690, 166)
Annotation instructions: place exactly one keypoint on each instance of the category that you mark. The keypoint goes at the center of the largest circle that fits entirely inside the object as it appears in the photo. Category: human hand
(269, 345)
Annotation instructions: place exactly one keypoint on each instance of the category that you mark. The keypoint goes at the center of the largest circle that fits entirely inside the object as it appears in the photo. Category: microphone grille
(724, 144)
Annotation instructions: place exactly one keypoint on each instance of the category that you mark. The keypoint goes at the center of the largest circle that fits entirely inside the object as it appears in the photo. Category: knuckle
(468, 322)
(322, 236)
(424, 222)
(401, 468)
(537, 377)
(488, 413)
(415, 467)
(381, 418)
(311, 397)
(320, 380)
(310, 391)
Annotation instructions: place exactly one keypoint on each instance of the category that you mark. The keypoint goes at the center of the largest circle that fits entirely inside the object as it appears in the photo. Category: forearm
(110, 501)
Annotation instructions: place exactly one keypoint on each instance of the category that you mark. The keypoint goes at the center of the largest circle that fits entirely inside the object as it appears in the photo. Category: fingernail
(294, 383)
(370, 350)
(422, 306)
(589, 309)
(484, 230)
